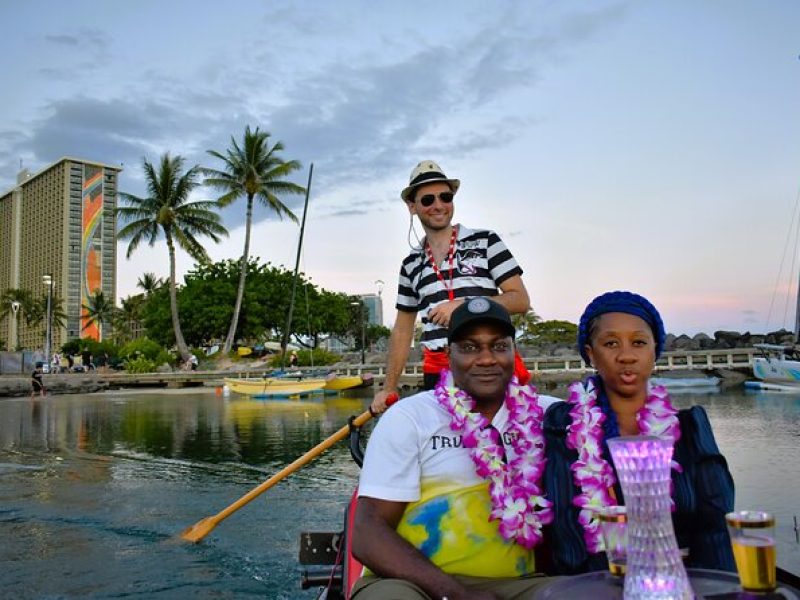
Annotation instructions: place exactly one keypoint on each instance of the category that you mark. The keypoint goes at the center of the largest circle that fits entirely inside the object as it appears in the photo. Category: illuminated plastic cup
(653, 569)
(614, 527)
(753, 540)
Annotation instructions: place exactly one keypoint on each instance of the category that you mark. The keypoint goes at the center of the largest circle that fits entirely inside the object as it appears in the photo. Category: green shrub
(146, 348)
(321, 357)
(164, 357)
(76, 346)
(140, 364)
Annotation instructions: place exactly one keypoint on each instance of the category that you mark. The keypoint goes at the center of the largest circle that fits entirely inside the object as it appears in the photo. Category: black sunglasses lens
(429, 199)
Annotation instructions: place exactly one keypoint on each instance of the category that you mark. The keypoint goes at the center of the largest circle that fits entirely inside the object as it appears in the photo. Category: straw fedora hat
(427, 171)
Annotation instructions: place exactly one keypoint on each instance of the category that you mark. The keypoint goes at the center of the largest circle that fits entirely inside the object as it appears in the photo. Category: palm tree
(37, 313)
(58, 317)
(525, 324)
(149, 283)
(23, 299)
(99, 309)
(130, 313)
(253, 170)
(168, 210)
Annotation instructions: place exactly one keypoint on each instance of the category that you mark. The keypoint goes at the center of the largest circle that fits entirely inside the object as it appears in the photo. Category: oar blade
(199, 530)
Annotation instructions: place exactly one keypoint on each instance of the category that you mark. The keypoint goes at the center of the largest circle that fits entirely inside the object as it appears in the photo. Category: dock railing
(740, 359)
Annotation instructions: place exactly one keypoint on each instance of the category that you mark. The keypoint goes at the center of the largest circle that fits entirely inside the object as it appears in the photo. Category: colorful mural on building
(91, 244)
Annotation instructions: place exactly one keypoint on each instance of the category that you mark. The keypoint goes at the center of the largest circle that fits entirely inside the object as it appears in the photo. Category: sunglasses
(429, 199)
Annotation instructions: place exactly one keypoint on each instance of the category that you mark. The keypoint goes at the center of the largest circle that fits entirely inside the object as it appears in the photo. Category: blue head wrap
(623, 302)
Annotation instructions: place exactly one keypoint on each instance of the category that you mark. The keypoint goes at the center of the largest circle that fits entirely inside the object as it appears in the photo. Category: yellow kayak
(275, 386)
(244, 351)
(343, 383)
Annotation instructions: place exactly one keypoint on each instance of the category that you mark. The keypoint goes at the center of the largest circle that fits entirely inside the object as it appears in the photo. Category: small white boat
(687, 384)
(772, 387)
(777, 364)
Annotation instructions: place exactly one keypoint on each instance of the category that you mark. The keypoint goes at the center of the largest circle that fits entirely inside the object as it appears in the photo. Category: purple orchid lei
(516, 496)
(591, 472)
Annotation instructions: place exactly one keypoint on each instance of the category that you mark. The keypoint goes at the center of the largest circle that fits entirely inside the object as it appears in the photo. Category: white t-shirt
(413, 456)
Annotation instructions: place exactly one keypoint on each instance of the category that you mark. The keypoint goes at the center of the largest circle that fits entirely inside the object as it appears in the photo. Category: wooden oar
(201, 529)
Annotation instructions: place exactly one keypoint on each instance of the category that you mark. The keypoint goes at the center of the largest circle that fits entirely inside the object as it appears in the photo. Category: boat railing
(776, 351)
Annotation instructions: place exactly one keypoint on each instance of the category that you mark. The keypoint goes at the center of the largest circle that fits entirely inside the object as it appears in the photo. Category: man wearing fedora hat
(451, 264)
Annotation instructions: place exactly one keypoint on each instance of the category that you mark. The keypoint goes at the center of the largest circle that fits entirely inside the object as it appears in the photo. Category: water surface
(95, 488)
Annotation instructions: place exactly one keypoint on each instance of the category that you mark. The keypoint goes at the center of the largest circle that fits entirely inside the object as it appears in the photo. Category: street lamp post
(363, 329)
(379, 309)
(13, 340)
(48, 281)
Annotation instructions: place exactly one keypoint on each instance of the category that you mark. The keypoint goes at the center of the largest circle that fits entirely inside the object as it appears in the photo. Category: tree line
(252, 169)
(208, 296)
(231, 299)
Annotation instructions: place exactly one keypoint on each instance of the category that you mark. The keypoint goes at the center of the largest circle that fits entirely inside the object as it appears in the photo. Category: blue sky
(652, 146)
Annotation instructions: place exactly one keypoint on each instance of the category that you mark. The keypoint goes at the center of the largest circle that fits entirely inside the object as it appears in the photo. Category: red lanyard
(451, 253)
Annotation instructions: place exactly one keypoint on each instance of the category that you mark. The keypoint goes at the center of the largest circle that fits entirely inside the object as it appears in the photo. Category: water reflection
(202, 428)
(99, 487)
(759, 434)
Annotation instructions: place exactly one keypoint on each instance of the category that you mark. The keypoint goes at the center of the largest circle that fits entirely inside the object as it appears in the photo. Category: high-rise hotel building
(374, 304)
(61, 222)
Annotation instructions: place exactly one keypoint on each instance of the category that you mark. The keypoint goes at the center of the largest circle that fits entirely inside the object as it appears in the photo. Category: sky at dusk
(651, 146)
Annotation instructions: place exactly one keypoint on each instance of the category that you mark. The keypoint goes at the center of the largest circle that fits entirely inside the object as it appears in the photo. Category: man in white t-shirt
(422, 525)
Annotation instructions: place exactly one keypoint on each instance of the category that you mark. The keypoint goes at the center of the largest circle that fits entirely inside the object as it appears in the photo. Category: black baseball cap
(479, 309)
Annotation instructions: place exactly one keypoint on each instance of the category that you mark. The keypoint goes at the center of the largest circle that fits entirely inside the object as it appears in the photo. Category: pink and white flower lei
(517, 499)
(591, 472)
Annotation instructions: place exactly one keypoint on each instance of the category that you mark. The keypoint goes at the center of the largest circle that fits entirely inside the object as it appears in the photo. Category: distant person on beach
(193, 362)
(70, 362)
(293, 359)
(86, 360)
(56, 363)
(37, 385)
(448, 265)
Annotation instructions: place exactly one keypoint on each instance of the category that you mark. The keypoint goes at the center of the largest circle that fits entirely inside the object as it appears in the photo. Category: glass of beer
(614, 528)
(753, 540)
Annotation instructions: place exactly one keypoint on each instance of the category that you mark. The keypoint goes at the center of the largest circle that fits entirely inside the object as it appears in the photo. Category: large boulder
(669, 342)
(54, 384)
(564, 351)
(703, 341)
(781, 337)
(727, 339)
(684, 342)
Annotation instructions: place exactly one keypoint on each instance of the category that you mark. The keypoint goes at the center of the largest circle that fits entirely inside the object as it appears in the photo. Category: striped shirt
(482, 262)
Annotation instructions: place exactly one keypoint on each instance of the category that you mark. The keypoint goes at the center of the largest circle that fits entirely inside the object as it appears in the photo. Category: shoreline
(66, 385)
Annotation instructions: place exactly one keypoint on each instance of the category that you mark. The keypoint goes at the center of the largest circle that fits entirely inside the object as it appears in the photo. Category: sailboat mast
(287, 329)
(797, 314)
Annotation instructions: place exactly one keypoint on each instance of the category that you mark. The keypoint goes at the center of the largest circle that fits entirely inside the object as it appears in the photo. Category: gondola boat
(329, 564)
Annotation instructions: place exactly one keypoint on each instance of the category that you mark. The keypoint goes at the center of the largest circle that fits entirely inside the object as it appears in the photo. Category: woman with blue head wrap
(621, 335)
